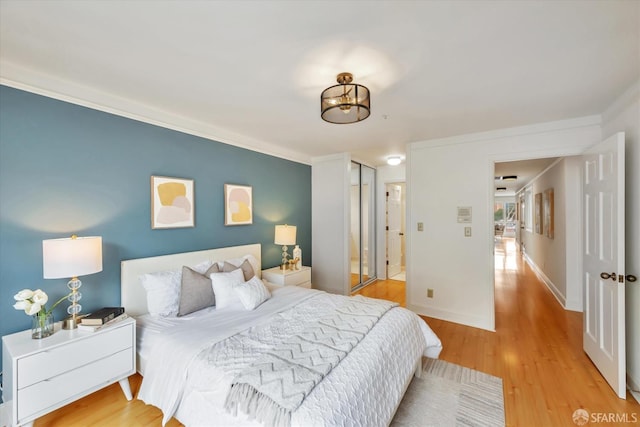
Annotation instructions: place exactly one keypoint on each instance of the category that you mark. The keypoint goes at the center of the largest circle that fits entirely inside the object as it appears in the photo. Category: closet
(343, 241)
(362, 226)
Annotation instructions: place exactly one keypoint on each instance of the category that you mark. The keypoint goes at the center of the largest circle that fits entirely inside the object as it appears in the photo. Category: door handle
(400, 234)
(611, 276)
(630, 278)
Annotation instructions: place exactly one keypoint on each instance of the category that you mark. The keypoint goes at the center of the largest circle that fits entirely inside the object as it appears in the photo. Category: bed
(192, 363)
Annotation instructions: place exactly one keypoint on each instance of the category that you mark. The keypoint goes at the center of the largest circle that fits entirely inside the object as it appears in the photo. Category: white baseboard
(4, 415)
(549, 284)
(633, 387)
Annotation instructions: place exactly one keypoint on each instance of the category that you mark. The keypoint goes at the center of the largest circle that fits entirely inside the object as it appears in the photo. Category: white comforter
(364, 389)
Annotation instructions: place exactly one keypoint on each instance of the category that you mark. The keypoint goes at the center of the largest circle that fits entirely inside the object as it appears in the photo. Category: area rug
(451, 395)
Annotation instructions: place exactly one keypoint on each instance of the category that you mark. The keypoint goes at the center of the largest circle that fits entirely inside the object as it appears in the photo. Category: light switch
(420, 226)
(467, 232)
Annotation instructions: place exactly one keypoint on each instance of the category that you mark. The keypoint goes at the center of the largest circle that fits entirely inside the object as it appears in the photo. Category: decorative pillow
(252, 293)
(247, 269)
(163, 292)
(196, 291)
(238, 262)
(223, 287)
(163, 289)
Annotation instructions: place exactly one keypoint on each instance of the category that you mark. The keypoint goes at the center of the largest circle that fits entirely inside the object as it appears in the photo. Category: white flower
(33, 309)
(23, 295)
(21, 305)
(33, 302)
(40, 297)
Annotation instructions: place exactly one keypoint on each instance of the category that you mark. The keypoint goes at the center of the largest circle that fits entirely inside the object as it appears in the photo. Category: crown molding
(580, 122)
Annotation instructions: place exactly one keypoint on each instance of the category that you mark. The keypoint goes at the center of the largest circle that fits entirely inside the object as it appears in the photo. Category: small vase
(42, 326)
(297, 255)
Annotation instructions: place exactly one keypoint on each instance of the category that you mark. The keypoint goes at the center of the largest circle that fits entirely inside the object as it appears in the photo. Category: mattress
(215, 345)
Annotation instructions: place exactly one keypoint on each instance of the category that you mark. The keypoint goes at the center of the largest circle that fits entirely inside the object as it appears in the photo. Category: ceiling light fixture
(394, 160)
(345, 102)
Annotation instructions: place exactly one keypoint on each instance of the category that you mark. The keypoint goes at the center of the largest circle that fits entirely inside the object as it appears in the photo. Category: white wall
(573, 233)
(330, 211)
(457, 172)
(624, 115)
(548, 256)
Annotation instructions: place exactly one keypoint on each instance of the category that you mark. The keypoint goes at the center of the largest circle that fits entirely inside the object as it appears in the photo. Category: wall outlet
(467, 232)
(429, 293)
(420, 226)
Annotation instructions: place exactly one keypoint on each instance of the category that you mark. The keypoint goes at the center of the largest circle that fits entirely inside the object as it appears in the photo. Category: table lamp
(72, 257)
(285, 235)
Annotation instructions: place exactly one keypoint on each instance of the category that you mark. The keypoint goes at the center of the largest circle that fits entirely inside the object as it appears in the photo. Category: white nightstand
(46, 374)
(279, 277)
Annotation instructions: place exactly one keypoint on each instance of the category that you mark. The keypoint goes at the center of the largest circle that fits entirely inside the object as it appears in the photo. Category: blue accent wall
(67, 169)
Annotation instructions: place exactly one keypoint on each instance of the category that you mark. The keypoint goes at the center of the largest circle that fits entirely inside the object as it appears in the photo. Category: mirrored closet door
(362, 236)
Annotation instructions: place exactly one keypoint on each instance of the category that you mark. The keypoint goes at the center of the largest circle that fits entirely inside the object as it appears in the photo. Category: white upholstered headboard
(132, 295)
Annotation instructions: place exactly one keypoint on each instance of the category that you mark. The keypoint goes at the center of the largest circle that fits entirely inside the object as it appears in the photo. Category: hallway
(536, 350)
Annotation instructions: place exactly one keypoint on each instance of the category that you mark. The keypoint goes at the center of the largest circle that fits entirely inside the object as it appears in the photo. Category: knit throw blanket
(272, 387)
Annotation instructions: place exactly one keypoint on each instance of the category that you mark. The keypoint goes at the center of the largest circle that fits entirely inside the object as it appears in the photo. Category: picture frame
(238, 204)
(548, 214)
(538, 213)
(172, 202)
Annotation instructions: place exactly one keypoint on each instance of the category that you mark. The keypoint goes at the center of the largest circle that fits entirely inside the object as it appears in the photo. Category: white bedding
(364, 389)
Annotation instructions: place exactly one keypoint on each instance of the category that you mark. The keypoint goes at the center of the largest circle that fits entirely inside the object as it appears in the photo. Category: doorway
(550, 239)
(395, 230)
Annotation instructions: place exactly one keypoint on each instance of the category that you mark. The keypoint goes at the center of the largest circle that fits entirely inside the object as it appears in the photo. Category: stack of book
(104, 317)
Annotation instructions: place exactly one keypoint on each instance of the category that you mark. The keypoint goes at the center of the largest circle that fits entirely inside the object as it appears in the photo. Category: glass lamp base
(70, 323)
(74, 309)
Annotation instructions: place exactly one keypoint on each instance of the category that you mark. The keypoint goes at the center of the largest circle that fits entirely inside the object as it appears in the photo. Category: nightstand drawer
(38, 397)
(300, 277)
(57, 360)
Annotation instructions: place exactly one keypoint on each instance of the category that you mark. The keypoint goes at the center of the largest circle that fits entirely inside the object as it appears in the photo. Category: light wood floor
(536, 350)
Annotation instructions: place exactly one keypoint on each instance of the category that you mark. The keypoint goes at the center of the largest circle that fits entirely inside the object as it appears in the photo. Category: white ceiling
(524, 170)
(250, 73)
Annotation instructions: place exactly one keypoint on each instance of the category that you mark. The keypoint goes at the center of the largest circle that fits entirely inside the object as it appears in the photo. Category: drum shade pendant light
(345, 102)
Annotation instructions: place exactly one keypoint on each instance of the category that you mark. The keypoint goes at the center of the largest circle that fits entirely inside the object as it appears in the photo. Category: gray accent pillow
(246, 268)
(196, 291)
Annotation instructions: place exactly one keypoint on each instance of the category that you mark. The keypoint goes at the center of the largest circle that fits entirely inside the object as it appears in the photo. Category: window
(504, 218)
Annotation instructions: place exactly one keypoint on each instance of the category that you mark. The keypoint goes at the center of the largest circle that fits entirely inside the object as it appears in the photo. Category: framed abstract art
(538, 213)
(172, 202)
(238, 204)
(547, 207)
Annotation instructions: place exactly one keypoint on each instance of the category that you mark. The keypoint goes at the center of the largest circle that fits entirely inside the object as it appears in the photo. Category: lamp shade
(285, 235)
(345, 102)
(71, 257)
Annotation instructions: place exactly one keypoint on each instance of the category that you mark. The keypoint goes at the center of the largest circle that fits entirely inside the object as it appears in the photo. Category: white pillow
(223, 287)
(203, 266)
(252, 293)
(163, 292)
(163, 289)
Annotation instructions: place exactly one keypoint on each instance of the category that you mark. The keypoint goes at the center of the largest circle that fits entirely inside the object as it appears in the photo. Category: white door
(394, 225)
(603, 260)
